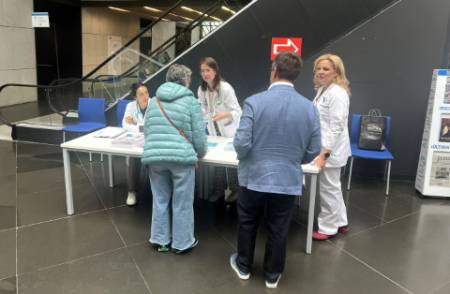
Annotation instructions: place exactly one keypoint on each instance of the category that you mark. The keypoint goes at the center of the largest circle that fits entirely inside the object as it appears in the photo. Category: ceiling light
(187, 8)
(215, 18)
(200, 13)
(152, 9)
(180, 16)
(228, 10)
(118, 9)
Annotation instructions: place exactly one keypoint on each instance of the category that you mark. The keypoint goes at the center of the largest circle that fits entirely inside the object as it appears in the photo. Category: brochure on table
(433, 171)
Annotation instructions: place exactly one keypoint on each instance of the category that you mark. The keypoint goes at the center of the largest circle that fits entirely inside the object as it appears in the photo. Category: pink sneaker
(344, 230)
(321, 237)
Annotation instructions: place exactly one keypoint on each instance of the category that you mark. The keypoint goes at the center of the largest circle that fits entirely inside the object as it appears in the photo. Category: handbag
(372, 131)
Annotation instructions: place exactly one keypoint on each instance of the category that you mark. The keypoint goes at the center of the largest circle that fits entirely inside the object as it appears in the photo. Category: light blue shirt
(279, 130)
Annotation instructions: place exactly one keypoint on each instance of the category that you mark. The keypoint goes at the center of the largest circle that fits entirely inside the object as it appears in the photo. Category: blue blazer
(279, 130)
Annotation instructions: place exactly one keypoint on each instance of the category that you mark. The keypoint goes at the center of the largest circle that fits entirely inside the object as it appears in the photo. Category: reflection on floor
(396, 245)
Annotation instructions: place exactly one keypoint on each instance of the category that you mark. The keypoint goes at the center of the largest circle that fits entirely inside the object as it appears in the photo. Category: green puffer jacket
(163, 143)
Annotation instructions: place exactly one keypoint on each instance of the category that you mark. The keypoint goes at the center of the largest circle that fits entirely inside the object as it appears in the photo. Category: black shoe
(178, 251)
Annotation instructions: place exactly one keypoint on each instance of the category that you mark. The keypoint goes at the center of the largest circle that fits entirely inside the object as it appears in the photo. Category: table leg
(312, 204)
(68, 182)
(200, 181)
(206, 182)
(110, 171)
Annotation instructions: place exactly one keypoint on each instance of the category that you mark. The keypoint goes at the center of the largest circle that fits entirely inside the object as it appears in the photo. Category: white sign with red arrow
(286, 45)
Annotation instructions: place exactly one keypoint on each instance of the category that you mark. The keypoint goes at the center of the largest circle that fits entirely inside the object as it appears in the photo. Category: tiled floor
(398, 244)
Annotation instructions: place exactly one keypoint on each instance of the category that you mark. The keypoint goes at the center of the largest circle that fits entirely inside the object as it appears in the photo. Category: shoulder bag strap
(171, 122)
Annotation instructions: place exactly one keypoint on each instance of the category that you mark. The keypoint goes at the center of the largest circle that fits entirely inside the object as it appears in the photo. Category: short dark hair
(287, 66)
(135, 87)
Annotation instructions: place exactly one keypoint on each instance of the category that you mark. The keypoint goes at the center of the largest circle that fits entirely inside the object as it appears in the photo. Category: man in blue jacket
(279, 130)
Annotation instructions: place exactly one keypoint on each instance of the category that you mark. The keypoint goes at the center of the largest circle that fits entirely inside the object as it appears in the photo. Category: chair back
(91, 110)
(387, 141)
(356, 127)
(120, 110)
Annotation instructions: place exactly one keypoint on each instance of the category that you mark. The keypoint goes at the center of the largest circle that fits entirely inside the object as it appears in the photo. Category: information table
(220, 153)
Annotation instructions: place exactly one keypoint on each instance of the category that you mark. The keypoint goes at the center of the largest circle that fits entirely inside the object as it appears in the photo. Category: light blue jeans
(172, 182)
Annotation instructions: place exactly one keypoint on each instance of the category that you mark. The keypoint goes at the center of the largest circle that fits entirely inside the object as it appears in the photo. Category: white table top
(220, 150)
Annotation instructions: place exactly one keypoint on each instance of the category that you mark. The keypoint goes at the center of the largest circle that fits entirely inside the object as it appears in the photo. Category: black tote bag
(372, 131)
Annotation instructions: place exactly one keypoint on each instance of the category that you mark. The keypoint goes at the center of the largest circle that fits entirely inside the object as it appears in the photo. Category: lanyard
(138, 114)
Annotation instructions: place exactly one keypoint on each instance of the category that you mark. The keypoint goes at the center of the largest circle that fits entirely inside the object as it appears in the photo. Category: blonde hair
(338, 65)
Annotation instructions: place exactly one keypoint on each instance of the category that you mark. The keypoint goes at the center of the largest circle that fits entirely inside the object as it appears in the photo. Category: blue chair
(120, 111)
(91, 115)
(370, 154)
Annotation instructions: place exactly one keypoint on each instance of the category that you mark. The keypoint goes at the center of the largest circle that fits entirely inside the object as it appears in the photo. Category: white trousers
(333, 213)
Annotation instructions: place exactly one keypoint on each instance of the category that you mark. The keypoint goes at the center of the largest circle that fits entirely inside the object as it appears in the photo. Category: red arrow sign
(286, 45)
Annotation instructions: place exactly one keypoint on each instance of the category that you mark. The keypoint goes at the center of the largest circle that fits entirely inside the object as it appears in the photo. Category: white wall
(17, 51)
(98, 25)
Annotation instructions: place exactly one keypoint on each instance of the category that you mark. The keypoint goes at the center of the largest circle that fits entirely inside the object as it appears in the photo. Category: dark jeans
(134, 168)
(277, 208)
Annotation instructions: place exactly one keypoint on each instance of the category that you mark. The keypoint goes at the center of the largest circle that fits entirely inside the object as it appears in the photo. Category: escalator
(240, 44)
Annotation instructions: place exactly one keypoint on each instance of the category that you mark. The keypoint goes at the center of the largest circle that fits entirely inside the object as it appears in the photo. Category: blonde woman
(332, 101)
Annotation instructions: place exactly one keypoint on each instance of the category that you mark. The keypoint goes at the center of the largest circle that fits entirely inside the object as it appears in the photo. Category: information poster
(433, 171)
(40, 20)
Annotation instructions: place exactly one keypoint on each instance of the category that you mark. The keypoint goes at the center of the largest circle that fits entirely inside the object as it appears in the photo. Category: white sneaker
(273, 284)
(131, 199)
(234, 266)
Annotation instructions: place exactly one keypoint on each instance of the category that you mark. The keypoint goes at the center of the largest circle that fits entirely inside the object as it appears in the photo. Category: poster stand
(433, 171)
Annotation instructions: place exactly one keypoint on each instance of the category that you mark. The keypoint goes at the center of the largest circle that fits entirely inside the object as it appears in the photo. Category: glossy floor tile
(330, 270)
(409, 249)
(8, 190)
(7, 253)
(442, 290)
(8, 286)
(63, 240)
(50, 203)
(133, 223)
(205, 267)
(112, 273)
(7, 217)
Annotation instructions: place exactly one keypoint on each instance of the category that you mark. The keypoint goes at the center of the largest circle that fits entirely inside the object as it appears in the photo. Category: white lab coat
(222, 100)
(333, 105)
(133, 110)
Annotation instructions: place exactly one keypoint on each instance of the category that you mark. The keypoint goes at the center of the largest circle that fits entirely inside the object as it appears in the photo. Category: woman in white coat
(133, 121)
(222, 113)
(332, 101)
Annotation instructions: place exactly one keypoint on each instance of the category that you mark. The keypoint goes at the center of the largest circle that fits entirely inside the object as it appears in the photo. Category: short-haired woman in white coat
(332, 101)
(222, 113)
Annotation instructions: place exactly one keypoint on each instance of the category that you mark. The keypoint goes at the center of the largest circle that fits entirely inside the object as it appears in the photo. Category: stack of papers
(130, 140)
(110, 132)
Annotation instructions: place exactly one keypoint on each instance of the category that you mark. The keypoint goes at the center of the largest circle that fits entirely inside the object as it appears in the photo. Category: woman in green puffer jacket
(171, 151)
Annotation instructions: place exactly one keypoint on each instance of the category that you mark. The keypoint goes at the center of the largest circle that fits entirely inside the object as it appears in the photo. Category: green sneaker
(163, 248)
